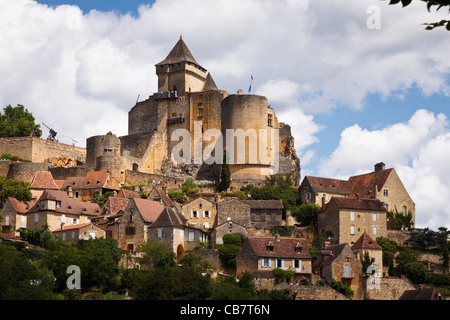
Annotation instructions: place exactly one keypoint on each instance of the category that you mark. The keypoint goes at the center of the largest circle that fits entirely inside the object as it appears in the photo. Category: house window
(308, 196)
(63, 218)
(36, 217)
(352, 229)
(130, 247)
(58, 204)
(91, 234)
(159, 233)
(374, 216)
(200, 205)
(385, 192)
(73, 234)
(191, 236)
(200, 112)
(352, 216)
(88, 219)
(207, 214)
(64, 236)
(7, 220)
(74, 221)
(279, 263)
(194, 214)
(270, 248)
(265, 262)
(270, 120)
(130, 231)
(375, 229)
(206, 225)
(404, 210)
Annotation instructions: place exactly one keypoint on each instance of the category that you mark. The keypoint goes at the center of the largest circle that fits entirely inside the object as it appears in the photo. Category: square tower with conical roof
(180, 72)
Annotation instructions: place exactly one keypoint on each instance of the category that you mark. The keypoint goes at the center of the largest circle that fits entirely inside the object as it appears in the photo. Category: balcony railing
(348, 275)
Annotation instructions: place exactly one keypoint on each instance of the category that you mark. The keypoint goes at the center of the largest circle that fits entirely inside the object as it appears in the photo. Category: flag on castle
(250, 87)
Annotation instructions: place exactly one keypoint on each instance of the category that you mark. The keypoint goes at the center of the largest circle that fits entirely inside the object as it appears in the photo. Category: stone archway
(180, 251)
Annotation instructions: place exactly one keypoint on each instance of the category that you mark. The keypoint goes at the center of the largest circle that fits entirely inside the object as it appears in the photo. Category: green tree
(416, 272)
(16, 122)
(367, 261)
(306, 214)
(157, 255)
(406, 255)
(21, 279)
(225, 175)
(14, 189)
(189, 186)
(229, 249)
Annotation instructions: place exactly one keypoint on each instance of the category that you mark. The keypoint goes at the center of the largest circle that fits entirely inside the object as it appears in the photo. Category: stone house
(382, 184)
(72, 186)
(366, 244)
(338, 262)
(235, 210)
(348, 218)
(74, 233)
(225, 228)
(130, 226)
(265, 212)
(267, 253)
(55, 208)
(14, 213)
(95, 183)
(172, 228)
(200, 212)
(126, 194)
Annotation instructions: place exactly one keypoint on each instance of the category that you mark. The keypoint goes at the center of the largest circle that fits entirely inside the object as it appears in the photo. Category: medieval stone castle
(187, 96)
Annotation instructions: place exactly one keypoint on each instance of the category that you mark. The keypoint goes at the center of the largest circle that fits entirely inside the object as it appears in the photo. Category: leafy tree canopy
(17, 122)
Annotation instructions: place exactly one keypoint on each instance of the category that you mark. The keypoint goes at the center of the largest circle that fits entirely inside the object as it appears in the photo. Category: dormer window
(270, 246)
(58, 204)
(298, 248)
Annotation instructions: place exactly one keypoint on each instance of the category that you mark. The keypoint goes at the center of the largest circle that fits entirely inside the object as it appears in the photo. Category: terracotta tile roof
(149, 209)
(283, 247)
(420, 294)
(330, 185)
(127, 194)
(170, 218)
(364, 185)
(21, 206)
(264, 204)
(43, 180)
(355, 204)
(114, 205)
(10, 237)
(68, 205)
(60, 183)
(95, 179)
(74, 182)
(365, 242)
(327, 256)
(164, 197)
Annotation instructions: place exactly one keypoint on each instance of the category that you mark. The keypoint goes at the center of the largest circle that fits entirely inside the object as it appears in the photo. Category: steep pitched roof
(327, 256)
(163, 196)
(127, 194)
(283, 247)
(209, 83)
(73, 182)
(170, 218)
(43, 180)
(364, 185)
(264, 204)
(20, 206)
(149, 210)
(179, 53)
(114, 205)
(95, 179)
(365, 242)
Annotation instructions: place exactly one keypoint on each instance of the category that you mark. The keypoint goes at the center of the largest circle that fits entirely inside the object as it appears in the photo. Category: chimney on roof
(277, 236)
(379, 166)
(70, 192)
(323, 200)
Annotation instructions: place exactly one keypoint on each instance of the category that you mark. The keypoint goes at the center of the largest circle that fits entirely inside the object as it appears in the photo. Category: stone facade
(234, 210)
(73, 234)
(14, 214)
(200, 212)
(226, 228)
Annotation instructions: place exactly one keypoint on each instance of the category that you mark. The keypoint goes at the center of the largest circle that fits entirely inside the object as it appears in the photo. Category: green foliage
(318, 243)
(438, 279)
(225, 175)
(399, 219)
(232, 239)
(283, 231)
(157, 255)
(416, 272)
(405, 256)
(193, 260)
(430, 4)
(389, 250)
(36, 236)
(14, 189)
(21, 279)
(16, 122)
(9, 156)
(341, 287)
(306, 214)
(281, 275)
(101, 199)
(429, 238)
(189, 186)
(367, 261)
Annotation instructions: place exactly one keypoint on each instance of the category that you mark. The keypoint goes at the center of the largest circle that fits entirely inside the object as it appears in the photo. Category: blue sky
(353, 95)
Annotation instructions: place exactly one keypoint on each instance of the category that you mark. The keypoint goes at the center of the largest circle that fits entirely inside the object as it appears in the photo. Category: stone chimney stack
(379, 166)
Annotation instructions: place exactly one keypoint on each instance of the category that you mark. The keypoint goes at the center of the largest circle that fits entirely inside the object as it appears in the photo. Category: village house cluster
(64, 179)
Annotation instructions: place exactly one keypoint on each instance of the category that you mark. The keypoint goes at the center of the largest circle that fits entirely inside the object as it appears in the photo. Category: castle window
(200, 112)
(352, 229)
(269, 120)
(375, 229)
(135, 167)
(385, 192)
